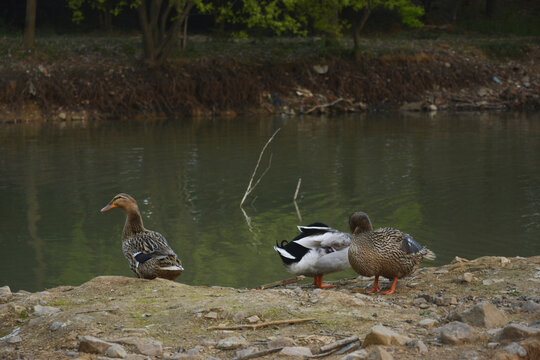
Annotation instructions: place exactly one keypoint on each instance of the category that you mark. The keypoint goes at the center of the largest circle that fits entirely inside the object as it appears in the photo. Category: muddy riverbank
(91, 81)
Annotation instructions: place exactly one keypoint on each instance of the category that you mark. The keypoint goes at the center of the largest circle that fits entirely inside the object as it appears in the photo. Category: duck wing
(319, 235)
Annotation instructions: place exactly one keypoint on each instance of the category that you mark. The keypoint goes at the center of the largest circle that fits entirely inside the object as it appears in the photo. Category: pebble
(281, 342)
(253, 319)
(14, 339)
(55, 326)
(233, 342)
(90, 344)
(298, 351)
(381, 335)
(428, 323)
(45, 310)
(466, 277)
(239, 317)
(116, 351)
(211, 315)
(515, 349)
(456, 333)
(484, 314)
(530, 306)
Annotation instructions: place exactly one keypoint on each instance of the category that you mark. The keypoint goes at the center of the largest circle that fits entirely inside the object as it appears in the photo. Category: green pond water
(461, 184)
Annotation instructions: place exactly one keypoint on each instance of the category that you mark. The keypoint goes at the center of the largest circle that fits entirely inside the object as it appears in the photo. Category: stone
(530, 306)
(381, 335)
(136, 357)
(45, 310)
(116, 351)
(55, 326)
(456, 333)
(195, 351)
(515, 349)
(211, 315)
(297, 351)
(358, 354)
(518, 331)
(421, 347)
(419, 300)
(5, 294)
(14, 339)
(378, 353)
(245, 352)
(253, 319)
(484, 314)
(150, 347)
(239, 317)
(232, 342)
(428, 323)
(466, 277)
(281, 342)
(90, 344)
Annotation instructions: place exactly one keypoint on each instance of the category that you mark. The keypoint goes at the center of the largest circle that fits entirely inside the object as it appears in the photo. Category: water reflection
(465, 184)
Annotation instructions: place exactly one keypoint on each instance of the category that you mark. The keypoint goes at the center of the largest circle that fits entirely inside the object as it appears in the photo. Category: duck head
(123, 201)
(359, 222)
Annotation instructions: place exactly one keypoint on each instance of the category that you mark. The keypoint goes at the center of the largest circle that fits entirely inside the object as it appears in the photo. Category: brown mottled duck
(386, 252)
(320, 250)
(147, 252)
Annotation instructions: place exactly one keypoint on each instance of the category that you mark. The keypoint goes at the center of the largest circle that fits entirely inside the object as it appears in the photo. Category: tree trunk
(358, 26)
(30, 23)
(159, 31)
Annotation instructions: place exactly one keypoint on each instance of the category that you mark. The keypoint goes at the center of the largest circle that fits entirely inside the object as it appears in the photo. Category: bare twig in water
(252, 186)
(281, 282)
(263, 324)
(294, 199)
(259, 353)
(297, 189)
(322, 106)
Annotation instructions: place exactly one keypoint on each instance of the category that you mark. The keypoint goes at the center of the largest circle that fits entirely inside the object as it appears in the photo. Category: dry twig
(263, 324)
(259, 353)
(322, 106)
(281, 282)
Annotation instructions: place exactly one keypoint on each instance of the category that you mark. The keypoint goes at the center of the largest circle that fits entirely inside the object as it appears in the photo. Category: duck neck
(134, 223)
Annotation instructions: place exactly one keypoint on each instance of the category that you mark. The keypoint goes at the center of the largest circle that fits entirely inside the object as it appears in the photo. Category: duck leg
(375, 286)
(317, 281)
(392, 288)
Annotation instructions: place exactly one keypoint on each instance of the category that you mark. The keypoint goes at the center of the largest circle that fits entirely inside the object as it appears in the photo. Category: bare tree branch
(250, 186)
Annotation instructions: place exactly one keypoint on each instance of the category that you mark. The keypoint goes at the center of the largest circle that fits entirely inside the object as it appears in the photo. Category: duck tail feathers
(283, 253)
(428, 254)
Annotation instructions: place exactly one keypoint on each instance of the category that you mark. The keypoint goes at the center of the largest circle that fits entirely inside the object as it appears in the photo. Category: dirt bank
(429, 317)
(85, 83)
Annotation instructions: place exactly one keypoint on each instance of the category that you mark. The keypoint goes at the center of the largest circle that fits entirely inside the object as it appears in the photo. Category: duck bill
(108, 207)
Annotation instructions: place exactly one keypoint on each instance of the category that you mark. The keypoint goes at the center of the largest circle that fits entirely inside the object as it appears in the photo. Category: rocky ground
(487, 308)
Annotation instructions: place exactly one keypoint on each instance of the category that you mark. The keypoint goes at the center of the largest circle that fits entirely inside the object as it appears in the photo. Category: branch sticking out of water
(297, 189)
(252, 186)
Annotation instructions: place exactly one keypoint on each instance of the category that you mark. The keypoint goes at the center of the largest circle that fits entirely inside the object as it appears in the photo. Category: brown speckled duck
(147, 252)
(386, 252)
